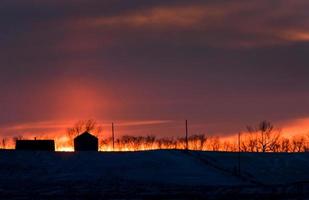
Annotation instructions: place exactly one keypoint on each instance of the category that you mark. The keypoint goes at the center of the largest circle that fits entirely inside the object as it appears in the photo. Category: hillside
(162, 174)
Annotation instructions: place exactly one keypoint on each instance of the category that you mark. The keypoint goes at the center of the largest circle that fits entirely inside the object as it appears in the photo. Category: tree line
(263, 137)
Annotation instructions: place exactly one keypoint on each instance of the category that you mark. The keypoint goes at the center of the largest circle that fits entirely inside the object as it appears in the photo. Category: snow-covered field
(162, 174)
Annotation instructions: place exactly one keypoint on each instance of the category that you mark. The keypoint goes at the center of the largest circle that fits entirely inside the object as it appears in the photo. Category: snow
(149, 172)
(266, 168)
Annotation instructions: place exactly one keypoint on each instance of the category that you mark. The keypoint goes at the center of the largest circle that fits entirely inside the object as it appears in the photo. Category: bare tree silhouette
(84, 126)
(298, 143)
(285, 145)
(4, 142)
(266, 136)
(19, 137)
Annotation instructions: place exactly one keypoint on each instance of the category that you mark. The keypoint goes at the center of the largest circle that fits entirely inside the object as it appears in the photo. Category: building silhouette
(35, 145)
(86, 142)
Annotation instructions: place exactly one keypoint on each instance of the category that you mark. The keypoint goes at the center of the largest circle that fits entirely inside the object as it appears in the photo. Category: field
(161, 174)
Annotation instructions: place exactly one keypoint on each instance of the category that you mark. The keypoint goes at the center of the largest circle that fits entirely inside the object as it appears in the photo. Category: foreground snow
(151, 173)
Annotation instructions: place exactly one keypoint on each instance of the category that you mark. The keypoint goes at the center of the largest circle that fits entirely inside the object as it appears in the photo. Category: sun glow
(65, 149)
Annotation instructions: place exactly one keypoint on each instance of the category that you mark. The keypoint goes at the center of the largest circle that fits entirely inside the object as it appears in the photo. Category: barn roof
(34, 141)
(86, 135)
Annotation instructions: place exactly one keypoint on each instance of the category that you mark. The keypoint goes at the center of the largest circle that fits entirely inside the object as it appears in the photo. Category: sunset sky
(148, 65)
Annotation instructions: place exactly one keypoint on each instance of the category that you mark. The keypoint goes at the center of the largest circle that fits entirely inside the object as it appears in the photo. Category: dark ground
(162, 174)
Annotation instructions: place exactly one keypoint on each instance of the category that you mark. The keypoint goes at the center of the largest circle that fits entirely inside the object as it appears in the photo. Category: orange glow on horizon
(63, 143)
(65, 149)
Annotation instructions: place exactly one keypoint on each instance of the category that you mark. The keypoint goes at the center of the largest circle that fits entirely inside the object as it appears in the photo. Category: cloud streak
(229, 24)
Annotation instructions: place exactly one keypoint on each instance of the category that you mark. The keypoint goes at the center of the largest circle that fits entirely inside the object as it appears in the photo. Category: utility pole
(187, 143)
(113, 136)
(239, 154)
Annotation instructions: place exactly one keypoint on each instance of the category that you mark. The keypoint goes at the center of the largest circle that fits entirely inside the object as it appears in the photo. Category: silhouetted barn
(35, 145)
(86, 142)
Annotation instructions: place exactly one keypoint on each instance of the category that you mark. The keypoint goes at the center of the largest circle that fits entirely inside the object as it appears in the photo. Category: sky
(149, 65)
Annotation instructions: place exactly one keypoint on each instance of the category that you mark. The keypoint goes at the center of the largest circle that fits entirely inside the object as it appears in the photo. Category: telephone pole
(113, 136)
(239, 154)
(187, 143)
